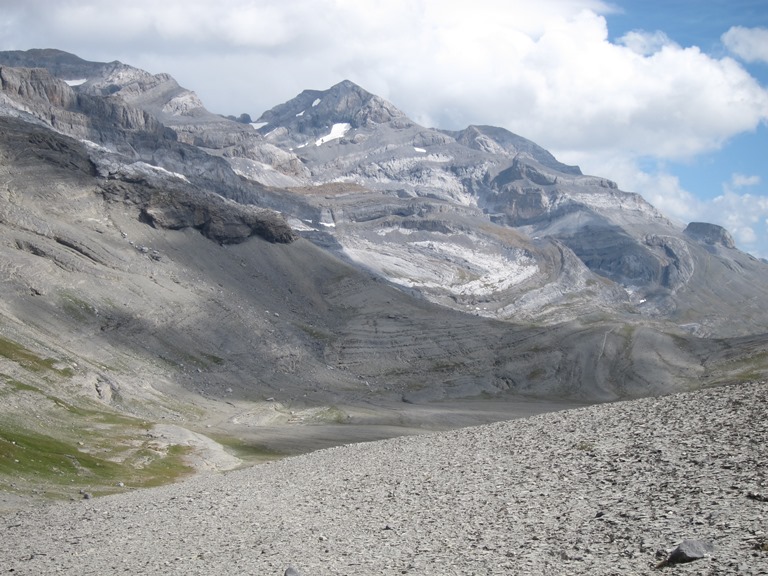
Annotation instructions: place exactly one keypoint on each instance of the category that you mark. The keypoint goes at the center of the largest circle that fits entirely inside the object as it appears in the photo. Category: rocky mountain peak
(710, 234)
(357, 106)
(60, 64)
(497, 140)
(312, 112)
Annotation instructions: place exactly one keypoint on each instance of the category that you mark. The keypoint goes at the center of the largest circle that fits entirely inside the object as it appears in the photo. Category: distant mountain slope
(481, 220)
(146, 280)
(439, 193)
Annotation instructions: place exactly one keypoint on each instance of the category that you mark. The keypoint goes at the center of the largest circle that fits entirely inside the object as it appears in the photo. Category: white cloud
(645, 43)
(546, 70)
(741, 181)
(749, 44)
(745, 216)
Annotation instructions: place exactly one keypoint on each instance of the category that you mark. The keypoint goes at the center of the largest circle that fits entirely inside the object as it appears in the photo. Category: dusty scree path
(608, 489)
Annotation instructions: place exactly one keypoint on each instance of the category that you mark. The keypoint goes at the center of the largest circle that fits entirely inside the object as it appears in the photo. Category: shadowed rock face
(163, 202)
(221, 220)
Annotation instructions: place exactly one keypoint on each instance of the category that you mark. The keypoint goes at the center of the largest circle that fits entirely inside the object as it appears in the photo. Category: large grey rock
(690, 550)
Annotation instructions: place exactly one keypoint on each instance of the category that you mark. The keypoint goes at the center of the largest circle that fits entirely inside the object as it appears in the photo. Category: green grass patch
(85, 414)
(26, 453)
(213, 359)
(160, 470)
(76, 307)
(32, 462)
(446, 366)
(73, 444)
(17, 386)
(29, 360)
(332, 414)
(585, 446)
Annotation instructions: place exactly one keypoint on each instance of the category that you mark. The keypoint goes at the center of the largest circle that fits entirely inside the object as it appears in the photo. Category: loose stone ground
(609, 489)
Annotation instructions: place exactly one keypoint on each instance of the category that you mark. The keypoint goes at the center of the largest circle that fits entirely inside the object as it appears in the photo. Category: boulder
(690, 550)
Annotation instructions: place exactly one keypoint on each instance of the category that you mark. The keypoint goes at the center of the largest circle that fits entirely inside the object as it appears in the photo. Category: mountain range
(176, 281)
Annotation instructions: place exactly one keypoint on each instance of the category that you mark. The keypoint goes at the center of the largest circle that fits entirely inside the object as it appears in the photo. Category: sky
(669, 98)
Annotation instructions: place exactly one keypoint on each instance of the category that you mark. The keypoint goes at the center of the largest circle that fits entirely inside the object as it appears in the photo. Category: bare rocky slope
(610, 489)
(164, 304)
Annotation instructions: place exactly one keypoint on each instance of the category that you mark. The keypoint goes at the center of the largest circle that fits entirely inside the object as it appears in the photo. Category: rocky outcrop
(33, 87)
(496, 140)
(36, 92)
(312, 112)
(710, 234)
(221, 220)
(165, 199)
(122, 133)
(62, 65)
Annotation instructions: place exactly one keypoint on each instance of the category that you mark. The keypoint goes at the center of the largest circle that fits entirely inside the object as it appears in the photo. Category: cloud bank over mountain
(623, 107)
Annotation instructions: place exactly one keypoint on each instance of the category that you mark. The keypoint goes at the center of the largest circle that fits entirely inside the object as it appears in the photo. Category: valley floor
(607, 489)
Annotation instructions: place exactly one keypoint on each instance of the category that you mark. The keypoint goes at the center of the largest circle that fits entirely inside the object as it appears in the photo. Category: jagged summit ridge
(495, 140)
(60, 64)
(313, 111)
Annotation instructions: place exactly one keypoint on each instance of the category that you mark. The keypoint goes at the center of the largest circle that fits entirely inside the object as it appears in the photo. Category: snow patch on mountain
(337, 131)
(138, 169)
(77, 82)
(443, 263)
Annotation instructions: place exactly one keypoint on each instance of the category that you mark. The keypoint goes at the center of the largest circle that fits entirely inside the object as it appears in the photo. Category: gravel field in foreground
(608, 489)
